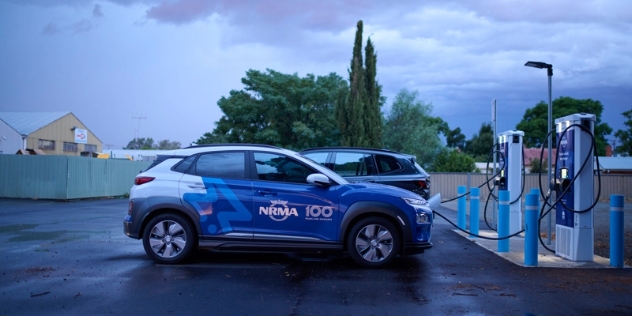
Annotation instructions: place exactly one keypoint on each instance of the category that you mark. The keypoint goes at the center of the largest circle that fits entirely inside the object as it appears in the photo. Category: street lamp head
(538, 64)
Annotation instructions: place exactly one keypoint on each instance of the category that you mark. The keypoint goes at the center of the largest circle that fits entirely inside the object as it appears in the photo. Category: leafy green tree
(148, 143)
(536, 167)
(455, 138)
(534, 121)
(140, 143)
(280, 109)
(167, 145)
(481, 143)
(452, 160)
(442, 126)
(625, 136)
(358, 114)
(409, 128)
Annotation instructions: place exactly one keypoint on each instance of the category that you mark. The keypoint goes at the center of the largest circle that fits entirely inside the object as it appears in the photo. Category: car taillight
(142, 180)
(421, 184)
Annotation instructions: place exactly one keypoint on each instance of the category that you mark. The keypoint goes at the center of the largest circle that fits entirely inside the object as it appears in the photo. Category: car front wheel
(373, 242)
(168, 239)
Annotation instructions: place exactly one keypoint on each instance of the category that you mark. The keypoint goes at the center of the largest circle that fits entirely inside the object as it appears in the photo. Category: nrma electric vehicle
(238, 197)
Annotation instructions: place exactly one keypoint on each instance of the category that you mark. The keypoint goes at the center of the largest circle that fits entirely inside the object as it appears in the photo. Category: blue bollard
(474, 209)
(616, 231)
(531, 230)
(536, 191)
(462, 205)
(503, 220)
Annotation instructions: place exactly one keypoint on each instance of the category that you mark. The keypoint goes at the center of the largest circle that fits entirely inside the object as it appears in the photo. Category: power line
(136, 130)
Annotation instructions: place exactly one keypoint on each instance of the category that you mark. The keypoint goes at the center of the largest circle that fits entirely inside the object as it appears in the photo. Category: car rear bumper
(128, 229)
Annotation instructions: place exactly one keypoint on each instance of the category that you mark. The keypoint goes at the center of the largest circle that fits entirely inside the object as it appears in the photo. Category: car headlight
(415, 202)
(421, 209)
(422, 217)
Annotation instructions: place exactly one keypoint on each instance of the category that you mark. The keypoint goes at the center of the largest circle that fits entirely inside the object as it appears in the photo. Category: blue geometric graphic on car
(211, 219)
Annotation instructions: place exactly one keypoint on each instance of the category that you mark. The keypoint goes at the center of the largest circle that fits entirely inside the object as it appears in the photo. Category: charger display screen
(564, 173)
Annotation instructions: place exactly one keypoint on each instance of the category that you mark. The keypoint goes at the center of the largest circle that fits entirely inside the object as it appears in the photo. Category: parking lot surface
(72, 258)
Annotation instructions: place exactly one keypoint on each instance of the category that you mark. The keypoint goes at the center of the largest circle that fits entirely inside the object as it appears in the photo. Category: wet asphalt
(72, 258)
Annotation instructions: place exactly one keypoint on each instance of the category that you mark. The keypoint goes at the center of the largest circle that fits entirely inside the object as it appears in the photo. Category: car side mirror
(318, 179)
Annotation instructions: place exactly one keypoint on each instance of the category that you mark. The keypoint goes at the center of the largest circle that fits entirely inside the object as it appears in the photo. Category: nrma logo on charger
(280, 211)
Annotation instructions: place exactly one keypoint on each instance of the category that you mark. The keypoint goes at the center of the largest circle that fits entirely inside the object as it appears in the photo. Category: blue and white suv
(257, 197)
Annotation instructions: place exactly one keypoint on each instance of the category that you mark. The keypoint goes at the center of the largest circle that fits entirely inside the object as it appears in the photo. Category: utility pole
(494, 143)
(136, 130)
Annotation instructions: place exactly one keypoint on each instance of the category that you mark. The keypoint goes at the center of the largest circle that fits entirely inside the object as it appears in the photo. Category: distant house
(485, 167)
(51, 133)
(531, 154)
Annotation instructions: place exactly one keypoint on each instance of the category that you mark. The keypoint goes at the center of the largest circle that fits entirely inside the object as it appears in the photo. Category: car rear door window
(221, 165)
(353, 164)
(184, 165)
(387, 164)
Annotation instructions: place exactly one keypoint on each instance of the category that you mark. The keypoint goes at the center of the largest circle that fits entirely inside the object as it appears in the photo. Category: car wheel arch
(170, 210)
(361, 210)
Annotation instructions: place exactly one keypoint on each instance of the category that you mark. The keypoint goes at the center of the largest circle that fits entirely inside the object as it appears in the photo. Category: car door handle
(266, 193)
(369, 180)
(196, 186)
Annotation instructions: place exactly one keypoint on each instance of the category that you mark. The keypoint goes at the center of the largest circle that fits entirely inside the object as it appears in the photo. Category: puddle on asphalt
(52, 237)
(23, 234)
(8, 229)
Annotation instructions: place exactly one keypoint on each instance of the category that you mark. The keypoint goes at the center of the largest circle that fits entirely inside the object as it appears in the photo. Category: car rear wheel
(168, 239)
(373, 242)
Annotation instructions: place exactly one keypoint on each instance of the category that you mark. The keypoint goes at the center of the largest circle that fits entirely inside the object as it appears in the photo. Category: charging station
(574, 235)
(511, 175)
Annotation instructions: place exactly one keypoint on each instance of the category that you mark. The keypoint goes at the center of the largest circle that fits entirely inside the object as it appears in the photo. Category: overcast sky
(156, 68)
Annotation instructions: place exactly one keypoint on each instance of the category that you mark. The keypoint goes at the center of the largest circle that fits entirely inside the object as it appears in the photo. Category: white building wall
(135, 154)
(10, 140)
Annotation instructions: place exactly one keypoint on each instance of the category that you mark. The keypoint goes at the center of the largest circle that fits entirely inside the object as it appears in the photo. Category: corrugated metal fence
(447, 184)
(66, 177)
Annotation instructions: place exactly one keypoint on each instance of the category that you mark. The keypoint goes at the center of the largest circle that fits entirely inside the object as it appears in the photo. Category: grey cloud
(546, 11)
(51, 3)
(81, 26)
(50, 29)
(97, 12)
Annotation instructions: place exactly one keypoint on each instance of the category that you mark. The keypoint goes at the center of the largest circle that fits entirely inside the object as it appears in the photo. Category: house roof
(534, 153)
(26, 123)
(615, 163)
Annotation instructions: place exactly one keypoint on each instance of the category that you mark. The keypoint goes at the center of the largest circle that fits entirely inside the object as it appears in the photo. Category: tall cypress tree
(358, 113)
(373, 116)
(349, 113)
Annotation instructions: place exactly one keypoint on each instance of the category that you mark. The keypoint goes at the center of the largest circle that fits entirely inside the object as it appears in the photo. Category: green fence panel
(34, 177)
(66, 177)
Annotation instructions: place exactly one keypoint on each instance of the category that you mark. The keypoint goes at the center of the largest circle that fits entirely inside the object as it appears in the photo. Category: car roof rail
(357, 148)
(232, 144)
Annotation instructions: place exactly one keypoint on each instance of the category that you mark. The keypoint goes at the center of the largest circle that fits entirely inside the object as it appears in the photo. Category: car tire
(169, 239)
(373, 242)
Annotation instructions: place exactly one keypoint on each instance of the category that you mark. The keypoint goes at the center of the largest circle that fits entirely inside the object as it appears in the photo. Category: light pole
(549, 72)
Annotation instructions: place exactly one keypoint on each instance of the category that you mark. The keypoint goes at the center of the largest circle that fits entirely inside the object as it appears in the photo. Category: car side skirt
(270, 245)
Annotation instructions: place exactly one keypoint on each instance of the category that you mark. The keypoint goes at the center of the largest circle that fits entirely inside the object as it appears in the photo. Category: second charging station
(511, 175)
